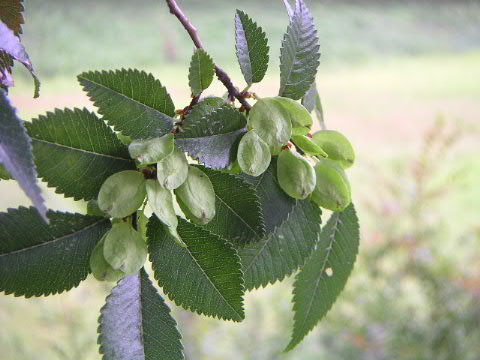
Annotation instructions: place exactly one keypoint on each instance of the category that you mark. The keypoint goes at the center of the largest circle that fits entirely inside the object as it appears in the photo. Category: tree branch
(193, 32)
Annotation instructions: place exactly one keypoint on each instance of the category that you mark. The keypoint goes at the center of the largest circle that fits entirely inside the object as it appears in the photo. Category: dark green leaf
(4, 175)
(213, 139)
(285, 250)
(326, 272)
(252, 48)
(204, 277)
(76, 152)
(39, 259)
(135, 323)
(299, 55)
(289, 8)
(200, 110)
(202, 70)
(10, 44)
(16, 153)
(11, 13)
(238, 216)
(132, 101)
(276, 204)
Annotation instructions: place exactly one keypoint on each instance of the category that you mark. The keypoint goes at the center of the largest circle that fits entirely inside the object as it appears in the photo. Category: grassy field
(389, 71)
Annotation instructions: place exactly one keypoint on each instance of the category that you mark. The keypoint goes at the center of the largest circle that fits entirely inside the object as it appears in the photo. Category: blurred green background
(400, 78)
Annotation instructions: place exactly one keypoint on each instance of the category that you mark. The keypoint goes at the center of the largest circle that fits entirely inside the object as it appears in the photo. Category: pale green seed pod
(295, 174)
(122, 193)
(333, 188)
(150, 151)
(337, 146)
(101, 269)
(172, 171)
(124, 248)
(299, 116)
(161, 202)
(253, 154)
(196, 197)
(271, 122)
(308, 146)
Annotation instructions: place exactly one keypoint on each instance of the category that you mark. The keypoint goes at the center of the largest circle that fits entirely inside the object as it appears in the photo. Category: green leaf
(132, 101)
(39, 259)
(213, 139)
(136, 324)
(11, 13)
(285, 250)
(299, 55)
(204, 107)
(202, 70)
(312, 102)
(16, 153)
(10, 44)
(238, 211)
(76, 152)
(4, 175)
(325, 274)
(252, 48)
(276, 205)
(204, 277)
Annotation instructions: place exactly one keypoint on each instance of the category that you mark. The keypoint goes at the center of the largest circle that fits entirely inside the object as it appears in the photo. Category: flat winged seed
(271, 122)
(122, 193)
(150, 151)
(299, 116)
(307, 145)
(295, 174)
(161, 202)
(196, 197)
(333, 189)
(172, 171)
(124, 248)
(253, 154)
(101, 269)
(337, 146)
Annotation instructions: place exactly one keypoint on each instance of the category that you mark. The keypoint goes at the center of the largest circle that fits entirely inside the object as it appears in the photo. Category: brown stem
(193, 32)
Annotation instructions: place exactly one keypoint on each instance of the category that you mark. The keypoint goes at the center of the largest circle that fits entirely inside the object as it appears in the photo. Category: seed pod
(308, 146)
(150, 151)
(196, 197)
(233, 169)
(124, 248)
(295, 174)
(271, 122)
(299, 116)
(253, 154)
(101, 269)
(333, 189)
(122, 193)
(161, 202)
(142, 223)
(337, 146)
(172, 171)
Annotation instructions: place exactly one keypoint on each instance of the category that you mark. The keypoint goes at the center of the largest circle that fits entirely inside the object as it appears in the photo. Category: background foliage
(389, 69)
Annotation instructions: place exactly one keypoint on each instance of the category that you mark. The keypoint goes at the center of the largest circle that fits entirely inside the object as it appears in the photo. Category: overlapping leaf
(16, 153)
(204, 277)
(312, 102)
(4, 175)
(39, 259)
(299, 55)
(213, 139)
(11, 13)
(276, 204)
(131, 101)
(135, 323)
(252, 48)
(10, 45)
(326, 272)
(239, 217)
(202, 70)
(76, 152)
(285, 250)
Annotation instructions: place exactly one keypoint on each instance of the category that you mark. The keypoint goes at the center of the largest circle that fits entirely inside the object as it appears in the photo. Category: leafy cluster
(235, 204)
